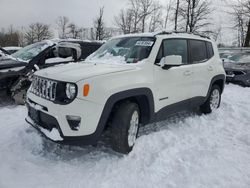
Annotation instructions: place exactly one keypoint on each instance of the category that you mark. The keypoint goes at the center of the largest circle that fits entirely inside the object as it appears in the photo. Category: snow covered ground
(193, 151)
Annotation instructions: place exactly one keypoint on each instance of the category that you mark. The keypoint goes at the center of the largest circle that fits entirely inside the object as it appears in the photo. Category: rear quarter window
(198, 51)
(210, 50)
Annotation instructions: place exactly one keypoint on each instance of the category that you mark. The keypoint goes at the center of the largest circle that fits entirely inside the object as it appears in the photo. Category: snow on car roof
(164, 33)
(12, 48)
(56, 40)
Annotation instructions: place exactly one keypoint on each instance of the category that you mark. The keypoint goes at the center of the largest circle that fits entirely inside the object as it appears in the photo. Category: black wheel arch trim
(113, 99)
(220, 77)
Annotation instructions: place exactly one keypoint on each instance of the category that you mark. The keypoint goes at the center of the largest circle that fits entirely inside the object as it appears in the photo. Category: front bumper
(50, 120)
(242, 79)
(239, 80)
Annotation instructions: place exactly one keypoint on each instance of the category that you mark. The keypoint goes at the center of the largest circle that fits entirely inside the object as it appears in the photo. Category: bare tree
(239, 23)
(195, 14)
(246, 4)
(168, 11)
(247, 39)
(138, 15)
(135, 11)
(62, 24)
(11, 37)
(99, 25)
(125, 21)
(176, 15)
(146, 10)
(241, 20)
(156, 19)
(150, 8)
(74, 31)
(37, 32)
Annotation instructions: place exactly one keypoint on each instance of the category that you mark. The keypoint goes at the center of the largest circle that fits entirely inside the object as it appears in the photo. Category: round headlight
(70, 90)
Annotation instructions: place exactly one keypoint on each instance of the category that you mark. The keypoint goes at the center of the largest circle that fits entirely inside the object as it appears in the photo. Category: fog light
(74, 122)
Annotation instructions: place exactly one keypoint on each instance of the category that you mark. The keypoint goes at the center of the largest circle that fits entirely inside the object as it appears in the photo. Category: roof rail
(181, 32)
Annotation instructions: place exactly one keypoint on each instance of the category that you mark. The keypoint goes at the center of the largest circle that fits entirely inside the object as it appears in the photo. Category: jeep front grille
(44, 88)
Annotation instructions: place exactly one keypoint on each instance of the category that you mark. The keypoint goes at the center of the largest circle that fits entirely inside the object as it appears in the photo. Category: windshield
(31, 51)
(127, 49)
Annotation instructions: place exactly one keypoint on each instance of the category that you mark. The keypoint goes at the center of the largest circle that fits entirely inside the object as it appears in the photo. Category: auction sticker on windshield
(144, 43)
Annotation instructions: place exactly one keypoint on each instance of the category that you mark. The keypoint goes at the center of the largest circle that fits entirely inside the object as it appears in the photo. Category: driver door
(173, 85)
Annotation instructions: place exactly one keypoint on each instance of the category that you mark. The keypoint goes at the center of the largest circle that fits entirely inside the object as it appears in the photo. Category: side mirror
(171, 61)
(72, 49)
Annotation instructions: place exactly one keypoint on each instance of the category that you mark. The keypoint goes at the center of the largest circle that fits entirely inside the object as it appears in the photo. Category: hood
(74, 72)
(11, 63)
(237, 66)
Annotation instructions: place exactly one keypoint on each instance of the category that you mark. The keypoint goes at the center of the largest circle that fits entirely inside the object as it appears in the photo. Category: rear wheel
(124, 127)
(213, 101)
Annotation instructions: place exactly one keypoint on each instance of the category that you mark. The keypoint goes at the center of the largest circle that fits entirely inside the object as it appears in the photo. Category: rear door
(201, 57)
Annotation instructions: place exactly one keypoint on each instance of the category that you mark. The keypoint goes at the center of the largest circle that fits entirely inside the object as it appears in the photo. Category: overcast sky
(82, 12)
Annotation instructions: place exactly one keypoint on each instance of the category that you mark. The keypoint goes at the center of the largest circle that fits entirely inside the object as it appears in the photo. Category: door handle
(210, 68)
(188, 73)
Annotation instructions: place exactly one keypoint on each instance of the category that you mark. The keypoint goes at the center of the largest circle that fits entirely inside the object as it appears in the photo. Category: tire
(124, 127)
(209, 106)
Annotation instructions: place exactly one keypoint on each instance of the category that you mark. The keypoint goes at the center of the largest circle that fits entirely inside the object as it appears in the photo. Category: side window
(176, 47)
(198, 51)
(210, 50)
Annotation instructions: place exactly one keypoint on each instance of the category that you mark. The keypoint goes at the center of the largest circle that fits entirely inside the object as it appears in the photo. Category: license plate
(34, 115)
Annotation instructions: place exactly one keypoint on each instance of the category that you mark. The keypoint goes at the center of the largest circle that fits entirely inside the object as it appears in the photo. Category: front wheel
(213, 101)
(124, 127)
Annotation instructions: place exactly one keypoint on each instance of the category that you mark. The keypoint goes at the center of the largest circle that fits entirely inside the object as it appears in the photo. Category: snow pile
(53, 134)
(188, 150)
(59, 59)
(7, 48)
(110, 59)
(107, 58)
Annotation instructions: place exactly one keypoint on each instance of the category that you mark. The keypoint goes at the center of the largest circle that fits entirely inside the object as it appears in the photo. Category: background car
(17, 69)
(237, 67)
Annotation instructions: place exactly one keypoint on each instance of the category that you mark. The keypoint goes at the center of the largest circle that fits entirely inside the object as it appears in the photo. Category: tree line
(141, 16)
(241, 20)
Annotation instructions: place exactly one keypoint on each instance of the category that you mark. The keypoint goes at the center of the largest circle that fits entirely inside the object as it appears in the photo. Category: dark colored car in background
(17, 69)
(237, 67)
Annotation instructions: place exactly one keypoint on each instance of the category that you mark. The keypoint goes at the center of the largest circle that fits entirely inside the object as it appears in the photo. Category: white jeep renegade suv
(130, 81)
